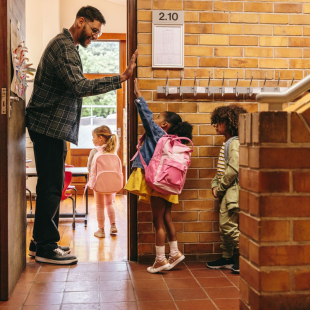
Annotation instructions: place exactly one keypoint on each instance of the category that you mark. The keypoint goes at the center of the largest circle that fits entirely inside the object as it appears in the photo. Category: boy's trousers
(228, 220)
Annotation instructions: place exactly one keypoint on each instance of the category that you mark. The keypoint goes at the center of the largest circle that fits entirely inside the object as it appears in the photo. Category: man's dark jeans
(50, 155)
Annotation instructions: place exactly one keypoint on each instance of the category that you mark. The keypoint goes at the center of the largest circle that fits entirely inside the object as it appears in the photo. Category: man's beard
(83, 37)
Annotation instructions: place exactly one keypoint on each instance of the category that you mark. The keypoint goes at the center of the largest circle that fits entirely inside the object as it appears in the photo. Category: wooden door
(12, 159)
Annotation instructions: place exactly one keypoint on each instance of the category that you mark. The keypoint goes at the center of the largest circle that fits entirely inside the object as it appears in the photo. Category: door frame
(132, 122)
(12, 160)
(3, 162)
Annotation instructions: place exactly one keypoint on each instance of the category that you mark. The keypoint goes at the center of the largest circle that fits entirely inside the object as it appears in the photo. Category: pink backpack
(106, 173)
(167, 169)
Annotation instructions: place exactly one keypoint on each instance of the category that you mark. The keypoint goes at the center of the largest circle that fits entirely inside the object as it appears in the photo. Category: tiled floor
(104, 280)
(82, 241)
(122, 285)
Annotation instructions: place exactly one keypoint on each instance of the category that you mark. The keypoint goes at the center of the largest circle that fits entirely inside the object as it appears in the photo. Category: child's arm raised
(146, 115)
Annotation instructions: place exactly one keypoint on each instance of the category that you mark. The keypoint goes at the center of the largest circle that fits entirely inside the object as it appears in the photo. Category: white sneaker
(100, 233)
(113, 229)
(158, 266)
(174, 260)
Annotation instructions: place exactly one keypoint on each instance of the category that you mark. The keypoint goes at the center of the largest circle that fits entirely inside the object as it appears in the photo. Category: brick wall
(275, 210)
(230, 36)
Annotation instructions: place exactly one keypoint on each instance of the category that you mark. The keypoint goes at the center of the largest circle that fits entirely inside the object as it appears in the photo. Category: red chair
(64, 196)
(72, 187)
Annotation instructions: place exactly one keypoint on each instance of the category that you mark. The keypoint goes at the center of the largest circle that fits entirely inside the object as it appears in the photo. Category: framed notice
(167, 39)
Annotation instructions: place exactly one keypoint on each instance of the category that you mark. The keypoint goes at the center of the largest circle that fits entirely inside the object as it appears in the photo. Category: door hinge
(3, 100)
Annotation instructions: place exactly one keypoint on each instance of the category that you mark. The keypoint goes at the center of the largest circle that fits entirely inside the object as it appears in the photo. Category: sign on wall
(167, 39)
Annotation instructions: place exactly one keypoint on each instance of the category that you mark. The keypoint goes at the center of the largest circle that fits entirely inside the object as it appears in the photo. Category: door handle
(14, 98)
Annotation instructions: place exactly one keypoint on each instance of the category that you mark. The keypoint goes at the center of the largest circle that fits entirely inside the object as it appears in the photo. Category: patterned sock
(160, 253)
(173, 248)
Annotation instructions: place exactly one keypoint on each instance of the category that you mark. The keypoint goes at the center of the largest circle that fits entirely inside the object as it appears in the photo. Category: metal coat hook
(222, 88)
(208, 90)
(179, 88)
(235, 88)
(293, 78)
(250, 90)
(265, 81)
(166, 88)
(277, 88)
(194, 87)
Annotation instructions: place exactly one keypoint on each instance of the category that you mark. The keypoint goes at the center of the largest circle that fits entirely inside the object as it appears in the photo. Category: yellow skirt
(136, 185)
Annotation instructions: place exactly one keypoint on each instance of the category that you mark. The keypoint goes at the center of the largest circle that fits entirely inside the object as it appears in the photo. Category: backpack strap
(184, 138)
(138, 146)
(226, 149)
(226, 153)
(138, 151)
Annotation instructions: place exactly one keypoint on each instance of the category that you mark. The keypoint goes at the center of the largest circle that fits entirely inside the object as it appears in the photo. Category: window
(99, 59)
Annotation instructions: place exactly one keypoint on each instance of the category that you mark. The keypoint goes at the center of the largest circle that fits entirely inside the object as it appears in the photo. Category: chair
(72, 187)
(30, 198)
(64, 196)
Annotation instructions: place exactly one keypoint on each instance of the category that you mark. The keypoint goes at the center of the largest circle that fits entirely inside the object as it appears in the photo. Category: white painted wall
(42, 24)
(115, 13)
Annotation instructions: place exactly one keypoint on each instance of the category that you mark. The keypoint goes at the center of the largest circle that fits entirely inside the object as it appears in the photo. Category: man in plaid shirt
(53, 117)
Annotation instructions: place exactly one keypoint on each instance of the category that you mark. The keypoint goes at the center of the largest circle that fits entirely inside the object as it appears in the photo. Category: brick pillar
(275, 210)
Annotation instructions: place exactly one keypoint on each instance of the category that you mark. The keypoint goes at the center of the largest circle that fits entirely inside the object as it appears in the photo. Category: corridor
(104, 280)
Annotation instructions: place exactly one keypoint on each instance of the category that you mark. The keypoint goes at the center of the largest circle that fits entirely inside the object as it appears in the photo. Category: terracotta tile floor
(82, 241)
(123, 285)
(104, 280)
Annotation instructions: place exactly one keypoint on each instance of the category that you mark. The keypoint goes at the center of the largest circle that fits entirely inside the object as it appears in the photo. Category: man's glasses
(95, 31)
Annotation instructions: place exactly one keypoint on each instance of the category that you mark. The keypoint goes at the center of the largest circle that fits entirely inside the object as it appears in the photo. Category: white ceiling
(122, 2)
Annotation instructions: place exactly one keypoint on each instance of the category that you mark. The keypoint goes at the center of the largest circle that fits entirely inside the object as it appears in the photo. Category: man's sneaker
(158, 266)
(113, 229)
(55, 256)
(225, 263)
(100, 233)
(174, 260)
(33, 249)
(235, 267)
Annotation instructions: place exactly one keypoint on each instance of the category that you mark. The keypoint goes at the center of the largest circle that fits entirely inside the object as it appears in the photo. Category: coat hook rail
(222, 90)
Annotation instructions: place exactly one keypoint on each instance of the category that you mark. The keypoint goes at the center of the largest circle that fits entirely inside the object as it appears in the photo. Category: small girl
(225, 184)
(161, 204)
(105, 141)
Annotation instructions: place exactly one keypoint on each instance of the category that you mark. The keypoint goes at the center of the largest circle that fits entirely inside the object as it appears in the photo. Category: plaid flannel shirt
(54, 108)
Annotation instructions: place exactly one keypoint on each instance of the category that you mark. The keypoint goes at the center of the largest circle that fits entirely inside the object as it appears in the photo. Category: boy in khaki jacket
(225, 184)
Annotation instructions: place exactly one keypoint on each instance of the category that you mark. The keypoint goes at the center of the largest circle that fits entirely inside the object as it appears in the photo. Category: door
(12, 159)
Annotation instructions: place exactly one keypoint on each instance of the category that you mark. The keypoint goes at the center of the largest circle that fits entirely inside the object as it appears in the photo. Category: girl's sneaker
(158, 266)
(174, 260)
(100, 233)
(113, 229)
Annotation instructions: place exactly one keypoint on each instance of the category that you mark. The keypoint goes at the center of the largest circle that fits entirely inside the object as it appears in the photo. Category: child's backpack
(226, 151)
(106, 173)
(167, 169)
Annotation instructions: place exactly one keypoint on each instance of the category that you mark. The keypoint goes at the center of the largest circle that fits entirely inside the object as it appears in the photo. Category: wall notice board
(167, 39)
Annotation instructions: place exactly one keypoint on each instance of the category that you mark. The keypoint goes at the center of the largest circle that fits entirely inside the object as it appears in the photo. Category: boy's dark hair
(91, 13)
(228, 115)
(178, 127)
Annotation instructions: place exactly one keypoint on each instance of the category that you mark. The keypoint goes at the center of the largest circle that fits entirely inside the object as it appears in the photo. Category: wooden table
(76, 172)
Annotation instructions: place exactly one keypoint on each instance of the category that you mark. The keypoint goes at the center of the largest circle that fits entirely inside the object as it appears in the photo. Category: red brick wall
(275, 211)
(230, 36)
